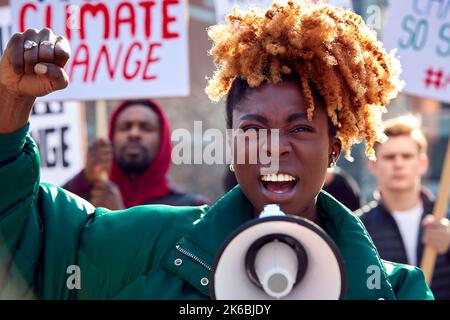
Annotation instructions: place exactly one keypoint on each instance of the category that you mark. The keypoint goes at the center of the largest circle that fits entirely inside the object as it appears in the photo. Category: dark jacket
(134, 253)
(344, 188)
(176, 197)
(386, 235)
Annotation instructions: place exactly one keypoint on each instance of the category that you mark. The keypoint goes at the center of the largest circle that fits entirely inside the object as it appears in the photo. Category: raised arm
(53, 244)
(32, 66)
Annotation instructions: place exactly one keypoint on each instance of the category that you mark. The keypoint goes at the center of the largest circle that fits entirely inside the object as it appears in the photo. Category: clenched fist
(32, 66)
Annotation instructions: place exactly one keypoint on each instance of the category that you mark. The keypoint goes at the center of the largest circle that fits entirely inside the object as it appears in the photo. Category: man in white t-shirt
(399, 220)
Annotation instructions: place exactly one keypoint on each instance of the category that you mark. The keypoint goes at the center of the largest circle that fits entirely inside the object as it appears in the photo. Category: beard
(134, 164)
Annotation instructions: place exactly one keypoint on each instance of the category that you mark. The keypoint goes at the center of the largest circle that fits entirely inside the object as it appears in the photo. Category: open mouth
(280, 183)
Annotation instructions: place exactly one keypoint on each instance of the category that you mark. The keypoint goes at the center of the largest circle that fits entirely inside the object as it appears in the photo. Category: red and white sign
(120, 49)
(420, 30)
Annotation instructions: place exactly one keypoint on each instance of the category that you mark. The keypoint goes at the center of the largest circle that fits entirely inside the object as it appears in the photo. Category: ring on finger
(46, 43)
(29, 44)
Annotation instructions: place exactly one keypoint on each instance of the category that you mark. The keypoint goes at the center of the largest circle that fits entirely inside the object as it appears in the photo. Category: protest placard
(59, 131)
(120, 49)
(420, 30)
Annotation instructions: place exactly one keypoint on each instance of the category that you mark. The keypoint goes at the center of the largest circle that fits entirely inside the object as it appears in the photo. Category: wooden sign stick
(440, 212)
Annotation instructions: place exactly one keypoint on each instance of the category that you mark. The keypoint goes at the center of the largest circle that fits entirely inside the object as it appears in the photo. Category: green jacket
(131, 254)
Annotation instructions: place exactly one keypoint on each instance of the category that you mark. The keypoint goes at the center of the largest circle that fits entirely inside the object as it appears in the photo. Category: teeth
(277, 177)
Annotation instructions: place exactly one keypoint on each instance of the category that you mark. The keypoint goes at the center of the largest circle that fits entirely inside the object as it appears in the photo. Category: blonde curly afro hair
(331, 49)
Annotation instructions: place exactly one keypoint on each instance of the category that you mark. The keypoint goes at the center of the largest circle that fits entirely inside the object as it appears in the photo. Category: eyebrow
(256, 117)
(394, 153)
(293, 117)
(297, 116)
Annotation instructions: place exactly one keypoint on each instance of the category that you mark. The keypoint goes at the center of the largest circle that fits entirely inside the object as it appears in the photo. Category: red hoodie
(153, 182)
(153, 186)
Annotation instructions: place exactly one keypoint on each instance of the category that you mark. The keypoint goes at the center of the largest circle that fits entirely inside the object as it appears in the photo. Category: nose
(134, 132)
(398, 161)
(278, 145)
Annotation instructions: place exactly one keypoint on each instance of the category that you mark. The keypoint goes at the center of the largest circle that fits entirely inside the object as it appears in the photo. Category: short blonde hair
(330, 48)
(406, 125)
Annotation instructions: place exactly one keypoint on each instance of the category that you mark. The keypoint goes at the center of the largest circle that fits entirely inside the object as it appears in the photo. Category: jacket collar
(425, 195)
(234, 209)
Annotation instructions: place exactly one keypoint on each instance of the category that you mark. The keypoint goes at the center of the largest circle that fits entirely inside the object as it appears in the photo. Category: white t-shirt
(408, 223)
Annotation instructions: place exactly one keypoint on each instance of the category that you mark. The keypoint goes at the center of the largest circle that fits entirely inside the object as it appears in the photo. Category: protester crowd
(131, 168)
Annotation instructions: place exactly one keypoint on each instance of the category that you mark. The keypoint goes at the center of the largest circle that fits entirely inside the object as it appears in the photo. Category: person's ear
(334, 152)
(424, 164)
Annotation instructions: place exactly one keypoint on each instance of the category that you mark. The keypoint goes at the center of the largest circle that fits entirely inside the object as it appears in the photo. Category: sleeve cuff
(11, 144)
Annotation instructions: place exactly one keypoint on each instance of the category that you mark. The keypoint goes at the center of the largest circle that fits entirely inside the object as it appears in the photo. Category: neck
(400, 200)
(311, 214)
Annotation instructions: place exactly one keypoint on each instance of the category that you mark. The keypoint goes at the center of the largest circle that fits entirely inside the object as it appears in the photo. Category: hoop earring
(231, 167)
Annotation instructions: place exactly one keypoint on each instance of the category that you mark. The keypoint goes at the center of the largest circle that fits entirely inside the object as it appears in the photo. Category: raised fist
(32, 64)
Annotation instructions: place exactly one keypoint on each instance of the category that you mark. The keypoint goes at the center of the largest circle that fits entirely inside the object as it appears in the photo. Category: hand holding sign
(32, 66)
(99, 160)
(106, 194)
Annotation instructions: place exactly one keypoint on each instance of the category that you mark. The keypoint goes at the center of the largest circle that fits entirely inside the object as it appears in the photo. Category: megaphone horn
(278, 257)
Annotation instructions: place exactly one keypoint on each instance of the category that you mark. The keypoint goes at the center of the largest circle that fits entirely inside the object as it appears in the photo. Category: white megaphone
(278, 257)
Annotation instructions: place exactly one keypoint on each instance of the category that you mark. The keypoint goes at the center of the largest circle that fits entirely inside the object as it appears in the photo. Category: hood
(152, 183)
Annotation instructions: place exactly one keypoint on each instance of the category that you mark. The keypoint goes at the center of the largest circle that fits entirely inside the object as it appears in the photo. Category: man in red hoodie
(137, 158)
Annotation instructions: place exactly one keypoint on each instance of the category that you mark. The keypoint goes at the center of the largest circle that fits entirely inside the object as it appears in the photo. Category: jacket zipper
(192, 256)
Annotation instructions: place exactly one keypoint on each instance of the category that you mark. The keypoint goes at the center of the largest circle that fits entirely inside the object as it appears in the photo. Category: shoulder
(408, 282)
(154, 220)
(55, 203)
(67, 216)
(344, 176)
(62, 208)
(118, 247)
(183, 199)
(365, 211)
(178, 197)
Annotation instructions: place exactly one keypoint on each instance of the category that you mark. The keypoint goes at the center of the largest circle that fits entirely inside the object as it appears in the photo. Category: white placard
(5, 27)
(420, 30)
(120, 49)
(59, 131)
(224, 7)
